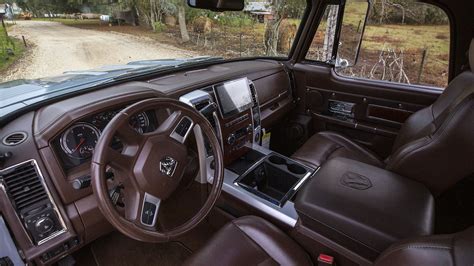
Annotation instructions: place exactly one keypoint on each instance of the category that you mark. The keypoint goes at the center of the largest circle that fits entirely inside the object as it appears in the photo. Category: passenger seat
(435, 145)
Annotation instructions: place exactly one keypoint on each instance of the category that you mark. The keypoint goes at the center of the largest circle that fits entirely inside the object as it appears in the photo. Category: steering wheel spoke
(129, 136)
(177, 126)
(120, 162)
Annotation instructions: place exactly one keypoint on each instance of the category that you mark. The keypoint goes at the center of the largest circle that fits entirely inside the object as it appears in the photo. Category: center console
(263, 179)
(364, 208)
(275, 178)
(351, 207)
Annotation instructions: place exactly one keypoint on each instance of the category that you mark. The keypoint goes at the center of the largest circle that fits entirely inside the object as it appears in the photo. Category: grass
(409, 37)
(9, 43)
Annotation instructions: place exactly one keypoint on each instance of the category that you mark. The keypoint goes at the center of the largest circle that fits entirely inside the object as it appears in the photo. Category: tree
(182, 21)
(330, 32)
(281, 9)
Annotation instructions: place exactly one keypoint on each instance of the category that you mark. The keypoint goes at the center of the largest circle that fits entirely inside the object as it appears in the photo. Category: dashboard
(60, 137)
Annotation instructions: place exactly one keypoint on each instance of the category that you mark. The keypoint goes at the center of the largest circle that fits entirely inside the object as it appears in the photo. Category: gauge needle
(79, 145)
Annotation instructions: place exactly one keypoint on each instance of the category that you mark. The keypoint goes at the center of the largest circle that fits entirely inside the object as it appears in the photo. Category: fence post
(240, 40)
(4, 27)
(422, 65)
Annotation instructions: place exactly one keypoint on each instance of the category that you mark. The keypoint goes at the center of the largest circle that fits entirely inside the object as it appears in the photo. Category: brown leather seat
(453, 249)
(250, 240)
(253, 241)
(434, 145)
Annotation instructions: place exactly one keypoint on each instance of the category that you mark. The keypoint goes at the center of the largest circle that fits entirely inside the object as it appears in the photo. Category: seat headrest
(471, 55)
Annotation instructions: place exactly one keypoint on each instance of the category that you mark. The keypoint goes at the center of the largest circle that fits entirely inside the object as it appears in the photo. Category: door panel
(369, 112)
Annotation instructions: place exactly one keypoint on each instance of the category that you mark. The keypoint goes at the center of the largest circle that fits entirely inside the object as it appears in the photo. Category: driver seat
(251, 240)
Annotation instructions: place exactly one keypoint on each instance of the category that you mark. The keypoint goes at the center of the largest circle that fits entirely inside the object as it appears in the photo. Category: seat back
(435, 145)
(454, 249)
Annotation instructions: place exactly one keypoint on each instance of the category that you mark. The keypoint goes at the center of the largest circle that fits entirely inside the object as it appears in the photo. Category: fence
(414, 66)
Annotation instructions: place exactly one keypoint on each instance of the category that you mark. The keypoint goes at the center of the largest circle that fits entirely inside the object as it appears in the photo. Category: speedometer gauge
(79, 140)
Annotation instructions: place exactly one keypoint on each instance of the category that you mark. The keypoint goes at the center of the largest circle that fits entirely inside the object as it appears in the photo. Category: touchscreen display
(234, 97)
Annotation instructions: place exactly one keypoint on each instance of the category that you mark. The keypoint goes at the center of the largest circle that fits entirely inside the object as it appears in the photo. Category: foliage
(159, 26)
(235, 19)
(406, 12)
(41, 7)
(10, 49)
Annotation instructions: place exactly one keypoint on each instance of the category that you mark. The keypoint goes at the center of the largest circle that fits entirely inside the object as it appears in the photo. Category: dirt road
(59, 48)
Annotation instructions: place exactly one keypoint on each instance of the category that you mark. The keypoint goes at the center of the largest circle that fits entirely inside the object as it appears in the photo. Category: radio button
(231, 139)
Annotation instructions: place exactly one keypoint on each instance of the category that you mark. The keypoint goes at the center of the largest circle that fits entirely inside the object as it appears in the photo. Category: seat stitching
(412, 247)
(328, 154)
(432, 139)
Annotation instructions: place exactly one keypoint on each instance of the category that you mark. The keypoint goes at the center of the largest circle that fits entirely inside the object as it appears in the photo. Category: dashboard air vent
(24, 186)
(14, 138)
(254, 94)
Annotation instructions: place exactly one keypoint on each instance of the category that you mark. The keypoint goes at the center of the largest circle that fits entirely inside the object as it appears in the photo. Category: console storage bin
(364, 208)
(275, 178)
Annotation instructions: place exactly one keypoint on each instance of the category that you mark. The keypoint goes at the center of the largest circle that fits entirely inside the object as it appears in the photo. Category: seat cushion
(250, 240)
(326, 145)
(454, 249)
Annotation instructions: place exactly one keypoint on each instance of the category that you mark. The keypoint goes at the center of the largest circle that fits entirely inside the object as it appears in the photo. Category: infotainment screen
(234, 97)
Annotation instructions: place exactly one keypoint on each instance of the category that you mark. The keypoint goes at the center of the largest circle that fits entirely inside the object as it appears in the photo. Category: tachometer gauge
(79, 140)
(140, 122)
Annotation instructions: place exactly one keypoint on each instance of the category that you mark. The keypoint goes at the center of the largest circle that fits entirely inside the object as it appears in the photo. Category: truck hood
(18, 94)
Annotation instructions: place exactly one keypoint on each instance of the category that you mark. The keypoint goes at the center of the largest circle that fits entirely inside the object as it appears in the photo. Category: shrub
(159, 26)
(235, 20)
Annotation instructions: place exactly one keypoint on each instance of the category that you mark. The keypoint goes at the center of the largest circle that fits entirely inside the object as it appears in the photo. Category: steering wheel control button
(182, 129)
(150, 209)
(168, 166)
(148, 214)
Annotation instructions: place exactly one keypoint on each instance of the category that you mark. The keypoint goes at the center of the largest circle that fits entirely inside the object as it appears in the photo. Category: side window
(404, 41)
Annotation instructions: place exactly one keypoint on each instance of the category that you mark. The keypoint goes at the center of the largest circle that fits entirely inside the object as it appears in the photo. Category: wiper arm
(200, 60)
(144, 71)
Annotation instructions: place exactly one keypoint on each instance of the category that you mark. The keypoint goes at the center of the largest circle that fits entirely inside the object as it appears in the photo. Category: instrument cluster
(77, 143)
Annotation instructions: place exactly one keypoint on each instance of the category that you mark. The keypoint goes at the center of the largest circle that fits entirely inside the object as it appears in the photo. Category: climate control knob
(44, 225)
(231, 139)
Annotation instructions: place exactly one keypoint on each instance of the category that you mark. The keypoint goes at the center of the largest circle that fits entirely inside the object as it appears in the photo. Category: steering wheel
(149, 167)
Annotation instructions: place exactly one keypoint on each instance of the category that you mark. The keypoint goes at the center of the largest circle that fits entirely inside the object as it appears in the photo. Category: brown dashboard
(53, 141)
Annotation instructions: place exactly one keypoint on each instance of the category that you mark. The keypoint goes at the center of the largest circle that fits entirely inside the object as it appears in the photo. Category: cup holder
(284, 163)
(276, 159)
(296, 169)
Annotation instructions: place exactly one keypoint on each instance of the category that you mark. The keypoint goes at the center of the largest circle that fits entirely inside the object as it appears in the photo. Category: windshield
(73, 39)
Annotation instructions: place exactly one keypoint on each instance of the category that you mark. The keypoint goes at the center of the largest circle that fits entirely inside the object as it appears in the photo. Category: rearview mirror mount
(218, 5)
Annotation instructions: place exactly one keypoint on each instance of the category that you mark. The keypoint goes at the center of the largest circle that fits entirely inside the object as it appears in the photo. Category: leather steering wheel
(149, 167)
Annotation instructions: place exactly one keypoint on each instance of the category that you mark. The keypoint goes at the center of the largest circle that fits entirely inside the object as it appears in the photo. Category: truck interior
(255, 161)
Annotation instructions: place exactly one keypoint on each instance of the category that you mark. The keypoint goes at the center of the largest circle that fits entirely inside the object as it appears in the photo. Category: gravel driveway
(59, 48)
